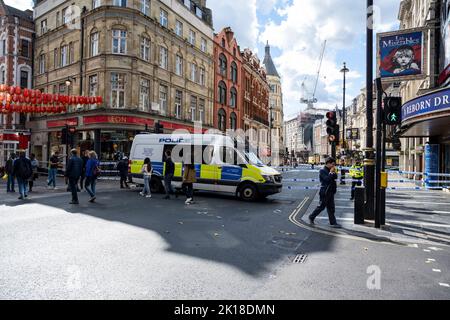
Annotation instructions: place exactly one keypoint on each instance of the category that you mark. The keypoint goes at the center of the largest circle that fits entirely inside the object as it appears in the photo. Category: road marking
(444, 285)
(435, 249)
(426, 250)
(437, 270)
(414, 245)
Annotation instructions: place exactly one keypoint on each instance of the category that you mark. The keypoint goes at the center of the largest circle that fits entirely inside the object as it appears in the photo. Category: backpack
(25, 171)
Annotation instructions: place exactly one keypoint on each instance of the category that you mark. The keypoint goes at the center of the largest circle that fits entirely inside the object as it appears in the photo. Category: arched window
(233, 121)
(234, 72)
(233, 97)
(222, 93)
(223, 65)
(94, 43)
(223, 43)
(222, 120)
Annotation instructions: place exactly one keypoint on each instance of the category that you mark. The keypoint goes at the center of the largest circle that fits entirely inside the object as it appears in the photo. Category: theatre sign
(431, 104)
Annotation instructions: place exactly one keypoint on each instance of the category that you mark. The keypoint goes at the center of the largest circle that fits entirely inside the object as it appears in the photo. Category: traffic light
(332, 128)
(67, 134)
(159, 128)
(393, 111)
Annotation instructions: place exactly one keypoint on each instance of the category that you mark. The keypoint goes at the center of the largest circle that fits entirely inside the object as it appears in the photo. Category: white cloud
(20, 4)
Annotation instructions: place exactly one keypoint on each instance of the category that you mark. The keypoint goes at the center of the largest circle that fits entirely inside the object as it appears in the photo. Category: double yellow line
(293, 216)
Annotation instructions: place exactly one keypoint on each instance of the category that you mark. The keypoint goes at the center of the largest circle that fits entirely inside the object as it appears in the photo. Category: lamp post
(344, 70)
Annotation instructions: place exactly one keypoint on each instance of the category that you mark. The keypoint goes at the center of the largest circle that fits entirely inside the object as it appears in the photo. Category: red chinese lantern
(38, 100)
(2, 87)
(38, 93)
(99, 100)
(2, 97)
(18, 90)
(27, 99)
(8, 107)
(8, 97)
(15, 98)
(26, 93)
(32, 93)
(12, 90)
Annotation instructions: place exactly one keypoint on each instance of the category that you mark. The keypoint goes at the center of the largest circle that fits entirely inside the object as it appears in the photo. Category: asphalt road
(128, 247)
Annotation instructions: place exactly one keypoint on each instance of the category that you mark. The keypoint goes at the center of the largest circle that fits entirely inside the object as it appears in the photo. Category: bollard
(359, 205)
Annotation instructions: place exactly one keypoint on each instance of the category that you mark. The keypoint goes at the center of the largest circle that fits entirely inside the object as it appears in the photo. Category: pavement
(128, 247)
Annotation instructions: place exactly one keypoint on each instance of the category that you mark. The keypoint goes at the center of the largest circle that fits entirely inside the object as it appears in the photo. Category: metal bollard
(359, 205)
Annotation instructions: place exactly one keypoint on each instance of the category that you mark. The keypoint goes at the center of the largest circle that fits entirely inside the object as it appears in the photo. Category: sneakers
(148, 196)
(189, 201)
(20, 198)
(92, 199)
(141, 194)
(311, 221)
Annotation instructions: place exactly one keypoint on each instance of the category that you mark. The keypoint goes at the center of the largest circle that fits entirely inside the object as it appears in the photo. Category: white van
(220, 167)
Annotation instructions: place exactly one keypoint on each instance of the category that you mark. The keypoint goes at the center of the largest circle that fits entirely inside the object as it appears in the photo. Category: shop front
(11, 141)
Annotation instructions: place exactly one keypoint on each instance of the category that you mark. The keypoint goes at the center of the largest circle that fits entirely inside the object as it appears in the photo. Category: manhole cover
(300, 258)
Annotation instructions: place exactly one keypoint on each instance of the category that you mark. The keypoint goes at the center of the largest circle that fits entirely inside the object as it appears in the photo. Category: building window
(120, 3)
(222, 93)
(179, 28)
(163, 99)
(163, 58)
(222, 118)
(94, 44)
(117, 90)
(192, 37)
(163, 18)
(202, 76)
(179, 65)
(145, 7)
(64, 55)
(233, 121)
(2, 75)
(201, 110)
(223, 43)
(93, 85)
(3, 47)
(178, 104)
(203, 45)
(144, 97)
(41, 63)
(234, 72)
(119, 41)
(24, 79)
(62, 88)
(71, 53)
(65, 16)
(233, 96)
(193, 72)
(95, 4)
(145, 48)
(55, 57)
(193, 108)
(25, 48)
(223, 65)
(43, 26)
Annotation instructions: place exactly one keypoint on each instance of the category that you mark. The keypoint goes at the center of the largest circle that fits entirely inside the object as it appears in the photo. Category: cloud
(20, 4)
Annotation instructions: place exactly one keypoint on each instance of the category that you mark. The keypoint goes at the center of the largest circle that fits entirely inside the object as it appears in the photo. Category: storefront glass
(115, 144)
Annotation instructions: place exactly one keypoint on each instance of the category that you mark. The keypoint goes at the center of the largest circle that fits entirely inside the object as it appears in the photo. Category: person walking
(189, 178)
(357, 174)
(92, 173)
(85, 158)
(9, 170)
(34, 166)
(73, 173)
(168, 176)
(343, 171)
(122, 167)
(328, 177)
(147, 171)
(55, 163)
(23, 172)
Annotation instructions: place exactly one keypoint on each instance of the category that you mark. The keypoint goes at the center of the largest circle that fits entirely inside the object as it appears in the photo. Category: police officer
(357, 174)
(328, 177)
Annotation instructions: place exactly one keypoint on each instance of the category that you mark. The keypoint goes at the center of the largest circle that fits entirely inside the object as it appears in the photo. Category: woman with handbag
(34, 166)
(147, 171)
(92, 173)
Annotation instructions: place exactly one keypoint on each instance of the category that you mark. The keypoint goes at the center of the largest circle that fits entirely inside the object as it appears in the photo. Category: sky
(296, 31)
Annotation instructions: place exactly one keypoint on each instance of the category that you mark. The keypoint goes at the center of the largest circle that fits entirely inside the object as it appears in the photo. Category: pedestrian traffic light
(332, 127)
(393, 111)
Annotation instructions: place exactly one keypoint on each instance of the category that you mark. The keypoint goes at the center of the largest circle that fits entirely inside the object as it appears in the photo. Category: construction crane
(311, 101)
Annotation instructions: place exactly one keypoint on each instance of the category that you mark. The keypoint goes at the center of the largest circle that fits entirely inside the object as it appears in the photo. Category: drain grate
(300, 258)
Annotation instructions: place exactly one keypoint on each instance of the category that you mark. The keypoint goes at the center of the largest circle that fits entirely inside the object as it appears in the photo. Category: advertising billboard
(445, 41)
(401, 55)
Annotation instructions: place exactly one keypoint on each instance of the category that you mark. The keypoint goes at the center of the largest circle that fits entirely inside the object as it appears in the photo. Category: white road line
(426, 250)
(437, 270)
(431, 260)
(444, 285)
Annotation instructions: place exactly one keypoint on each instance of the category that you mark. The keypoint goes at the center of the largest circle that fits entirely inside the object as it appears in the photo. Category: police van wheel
(156, 185)
(248, 192)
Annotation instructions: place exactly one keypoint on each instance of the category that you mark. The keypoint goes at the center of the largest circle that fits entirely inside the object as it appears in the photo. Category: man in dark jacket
(85, 159)
(9, 170)
(74, 170)
(23, 171)
(122, 167)
(328, 189)
(168, 176)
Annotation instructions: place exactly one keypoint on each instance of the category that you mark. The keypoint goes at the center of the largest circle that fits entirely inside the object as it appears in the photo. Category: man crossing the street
(74, 170)
(357, 174)
(328, 177)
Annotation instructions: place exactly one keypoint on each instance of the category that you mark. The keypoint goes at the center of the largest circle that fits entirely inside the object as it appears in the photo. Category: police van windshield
(253, 159)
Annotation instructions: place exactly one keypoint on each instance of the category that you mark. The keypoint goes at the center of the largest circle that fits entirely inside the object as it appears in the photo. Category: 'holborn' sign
(431, 103)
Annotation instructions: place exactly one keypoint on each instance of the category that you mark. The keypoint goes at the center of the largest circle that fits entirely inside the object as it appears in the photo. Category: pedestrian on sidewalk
(328, 177)
(168, 176)
(9, 170)
(147, 171)
(55, 163)
(23, 172)
(92, 173)
(343, 171)
(85, 158)
(34, 166)
(73, 173)
(357, 174)
(122, 167)
(189, 178)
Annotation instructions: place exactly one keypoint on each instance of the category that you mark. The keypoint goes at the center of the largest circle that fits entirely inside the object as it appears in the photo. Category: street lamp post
(344, 70)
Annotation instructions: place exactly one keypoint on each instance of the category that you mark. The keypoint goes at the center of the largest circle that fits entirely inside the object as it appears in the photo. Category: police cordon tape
(389, 188)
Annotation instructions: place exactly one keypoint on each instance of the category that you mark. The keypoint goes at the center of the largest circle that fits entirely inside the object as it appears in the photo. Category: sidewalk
(412, 217)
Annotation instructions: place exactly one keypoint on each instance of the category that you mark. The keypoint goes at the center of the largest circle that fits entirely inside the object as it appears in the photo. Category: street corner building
(151, 61)
(16, 62)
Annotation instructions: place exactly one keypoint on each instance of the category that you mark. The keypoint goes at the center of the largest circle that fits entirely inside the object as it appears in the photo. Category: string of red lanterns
(22, 100)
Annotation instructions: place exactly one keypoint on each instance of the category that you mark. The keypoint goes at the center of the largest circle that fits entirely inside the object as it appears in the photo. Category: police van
(220, 166)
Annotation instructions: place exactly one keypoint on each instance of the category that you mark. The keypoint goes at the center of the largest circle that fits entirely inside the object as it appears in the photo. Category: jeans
(52, 177)
(326, 201)
(73, 183)
(82, 178)
(147, 190)
(23, 187)
(189, 190)
(10, 183)
(91, 182)
(168, 184)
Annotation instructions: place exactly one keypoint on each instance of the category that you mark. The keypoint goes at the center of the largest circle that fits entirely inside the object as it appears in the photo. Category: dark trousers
(123, 181)
(354, 185)
(73, 186)
(326, 201)
(168, 184)
(82, 181)
(189, 190)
